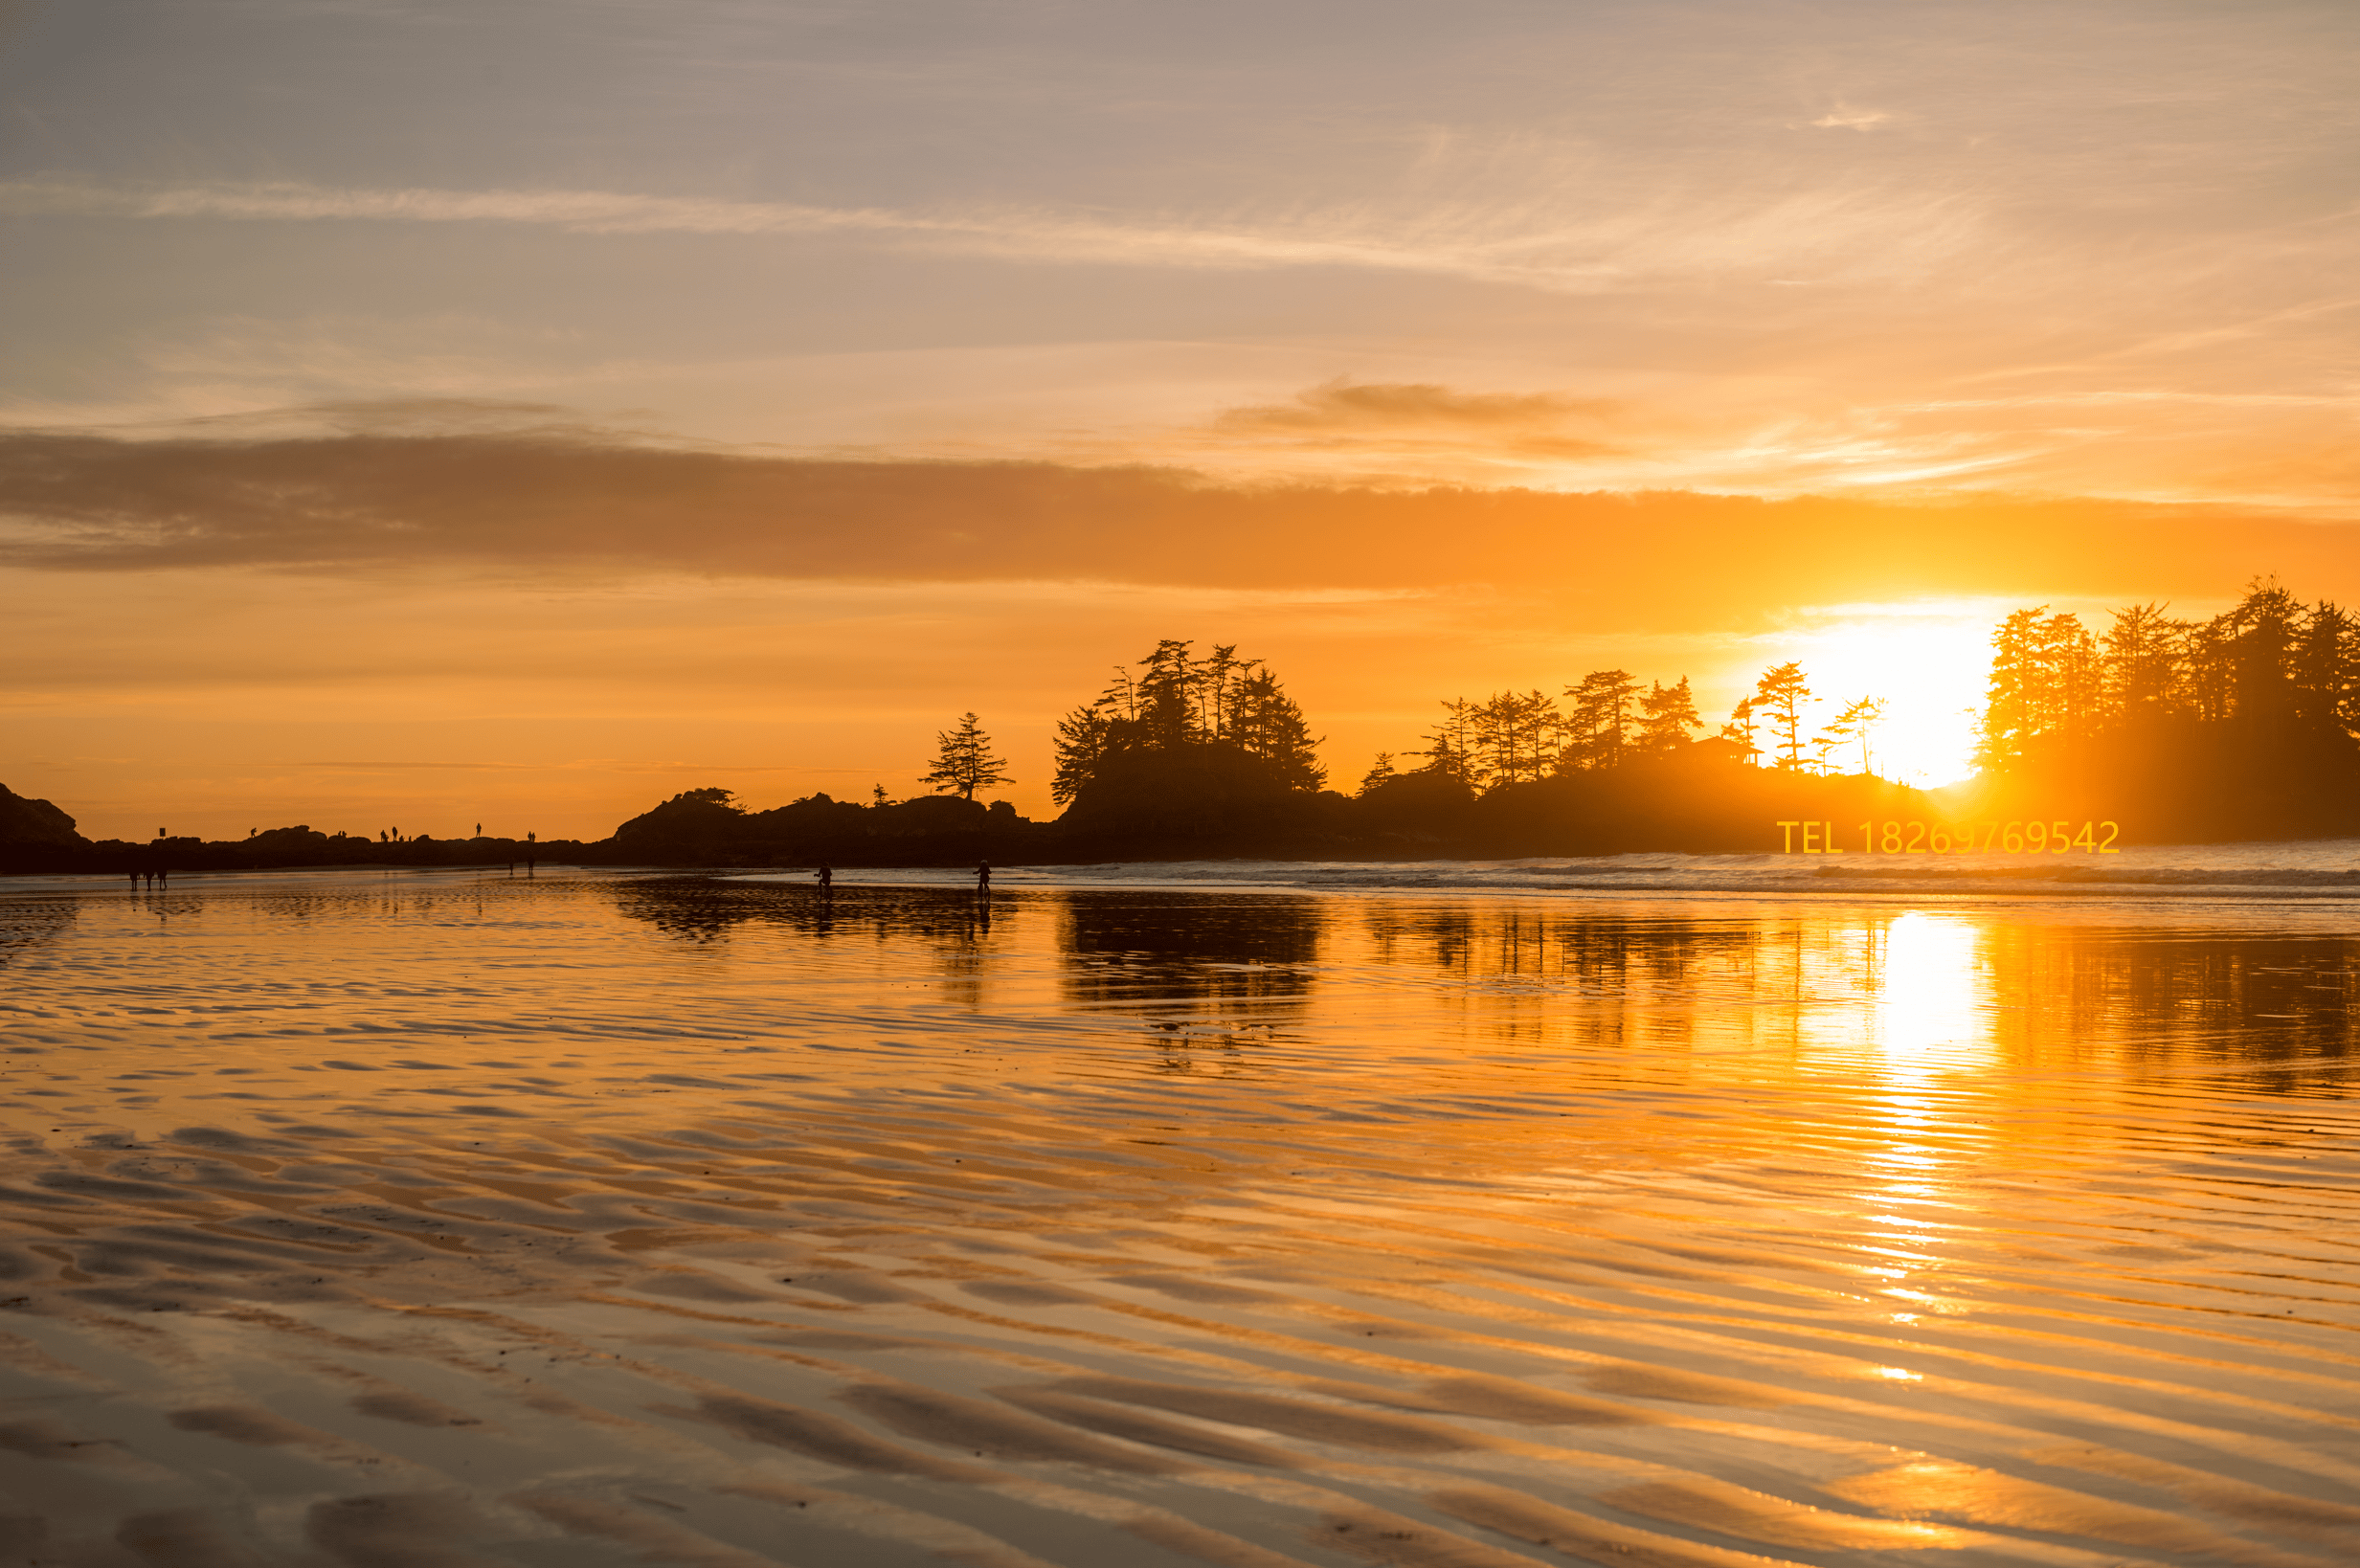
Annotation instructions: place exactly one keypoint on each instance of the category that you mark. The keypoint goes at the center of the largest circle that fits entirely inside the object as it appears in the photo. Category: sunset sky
(420, 412)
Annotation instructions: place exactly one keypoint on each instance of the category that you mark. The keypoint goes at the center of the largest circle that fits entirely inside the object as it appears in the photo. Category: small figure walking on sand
(827, 880)
(983, 879)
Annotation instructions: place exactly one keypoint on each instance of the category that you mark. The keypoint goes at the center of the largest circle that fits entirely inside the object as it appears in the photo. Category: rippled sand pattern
(605, 1222)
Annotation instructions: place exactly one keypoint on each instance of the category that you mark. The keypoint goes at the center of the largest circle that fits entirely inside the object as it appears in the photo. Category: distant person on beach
(983, 877)
(827, 880)
(135, 881)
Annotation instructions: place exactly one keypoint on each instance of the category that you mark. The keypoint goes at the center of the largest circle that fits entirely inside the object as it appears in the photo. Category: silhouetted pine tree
(1667, 714)
(1780, 693)
(1601, 718)
(963, 760)
(1516, 736)
(1266, 722)
(1450, 749)
(1741, 724)
(1854, 723)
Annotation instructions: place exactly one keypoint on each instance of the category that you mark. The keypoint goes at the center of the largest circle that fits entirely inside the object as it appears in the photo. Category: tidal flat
(392, 1219)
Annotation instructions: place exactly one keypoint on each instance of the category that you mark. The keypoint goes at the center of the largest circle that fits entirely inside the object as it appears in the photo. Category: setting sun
(1927, 661)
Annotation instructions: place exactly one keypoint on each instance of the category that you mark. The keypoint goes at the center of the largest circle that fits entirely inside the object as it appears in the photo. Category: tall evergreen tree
(2140, 665)
(1450, 749)
(1267, 722)
(2262, 632)
(1082, 739)
(1781, 692)
(1167, 691)
(1601, 723)
(1215, 679)
(963, 760)
(1107, 722)
(2073, 677)
(1740, 725)
(2048, 679)
(1666, 716)
(1514, 735)
(2012, 695)
(2326, 672)
(1855, 723)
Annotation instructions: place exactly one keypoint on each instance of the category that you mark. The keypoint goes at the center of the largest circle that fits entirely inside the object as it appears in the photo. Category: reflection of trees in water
(2023, 993)
(1522, 941)
(701, 909)
(951, 921)
(1955, 990)
(2114, 997)
(1521, 963)
(1204, 954)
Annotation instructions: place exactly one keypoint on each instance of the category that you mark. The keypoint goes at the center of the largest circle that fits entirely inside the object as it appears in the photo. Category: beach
(1638, 1212)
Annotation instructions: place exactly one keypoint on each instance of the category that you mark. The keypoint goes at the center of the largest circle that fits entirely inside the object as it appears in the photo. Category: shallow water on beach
(2278, 870)
(372, 1219)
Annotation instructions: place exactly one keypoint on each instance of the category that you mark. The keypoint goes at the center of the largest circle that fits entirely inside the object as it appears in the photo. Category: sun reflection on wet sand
(1929, 1022)
(621, 1220)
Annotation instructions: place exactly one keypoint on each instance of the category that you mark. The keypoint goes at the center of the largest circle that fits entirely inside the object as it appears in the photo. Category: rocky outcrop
(35, 824)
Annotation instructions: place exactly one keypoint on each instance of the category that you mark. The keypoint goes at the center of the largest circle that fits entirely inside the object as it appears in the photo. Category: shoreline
(1582, 878)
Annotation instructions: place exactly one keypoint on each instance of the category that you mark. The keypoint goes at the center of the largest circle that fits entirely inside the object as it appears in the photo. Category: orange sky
(423, 414)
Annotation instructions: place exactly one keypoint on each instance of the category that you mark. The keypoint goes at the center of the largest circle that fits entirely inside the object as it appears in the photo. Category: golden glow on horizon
(1928, 662)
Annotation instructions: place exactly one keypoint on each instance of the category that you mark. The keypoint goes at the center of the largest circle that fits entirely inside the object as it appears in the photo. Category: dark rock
(35, 823)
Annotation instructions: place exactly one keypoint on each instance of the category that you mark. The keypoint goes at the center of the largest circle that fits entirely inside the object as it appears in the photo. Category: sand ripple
(645, 1221)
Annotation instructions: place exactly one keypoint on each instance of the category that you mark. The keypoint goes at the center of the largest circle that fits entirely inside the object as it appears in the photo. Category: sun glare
(1926, 660)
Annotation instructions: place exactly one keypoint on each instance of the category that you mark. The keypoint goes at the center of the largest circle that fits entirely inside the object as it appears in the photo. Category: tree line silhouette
(1189, 753)
(2275, 669)
(2242, 726)
(1180, 709)
(1515, 737)
(1183, 753)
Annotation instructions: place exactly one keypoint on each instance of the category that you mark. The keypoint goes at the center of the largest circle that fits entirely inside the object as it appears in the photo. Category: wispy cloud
(1398, 423)
(575, 507)
(1580, 247)
(1348, 405)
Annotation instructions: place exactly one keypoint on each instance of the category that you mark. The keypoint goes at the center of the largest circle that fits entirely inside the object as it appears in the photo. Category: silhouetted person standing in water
(983, 879)
(827, 881)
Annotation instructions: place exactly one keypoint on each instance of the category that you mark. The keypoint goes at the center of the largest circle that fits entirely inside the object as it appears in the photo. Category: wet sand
(599, 1221)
